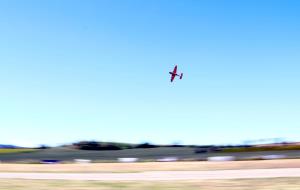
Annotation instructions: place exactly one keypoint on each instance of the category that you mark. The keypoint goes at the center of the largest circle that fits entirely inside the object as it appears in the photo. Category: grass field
(16, 150)
(247, 184)
(256, 149)
(151, 166)
(151, 154)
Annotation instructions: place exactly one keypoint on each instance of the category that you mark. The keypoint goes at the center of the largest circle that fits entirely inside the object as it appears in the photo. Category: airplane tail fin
(181, 75)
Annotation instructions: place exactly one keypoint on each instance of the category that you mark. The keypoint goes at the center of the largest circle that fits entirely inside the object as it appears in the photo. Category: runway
(160, 175)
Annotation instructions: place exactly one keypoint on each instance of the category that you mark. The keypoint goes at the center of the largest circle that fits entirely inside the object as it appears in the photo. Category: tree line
(94, 145)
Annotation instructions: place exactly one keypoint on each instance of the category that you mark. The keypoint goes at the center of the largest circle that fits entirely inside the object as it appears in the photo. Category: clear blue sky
(98, 70)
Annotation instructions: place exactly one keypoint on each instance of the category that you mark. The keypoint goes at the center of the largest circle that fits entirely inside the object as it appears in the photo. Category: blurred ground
(245, 184)
(151, 166)
(240, 168)
(159, 175)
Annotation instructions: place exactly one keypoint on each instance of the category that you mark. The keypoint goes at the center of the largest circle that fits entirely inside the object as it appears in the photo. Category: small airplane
(174, 74)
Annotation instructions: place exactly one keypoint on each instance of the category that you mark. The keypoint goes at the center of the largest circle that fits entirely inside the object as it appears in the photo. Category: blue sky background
(98, 70)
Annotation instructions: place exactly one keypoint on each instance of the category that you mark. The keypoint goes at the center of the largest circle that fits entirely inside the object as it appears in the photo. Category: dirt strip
(160, 175)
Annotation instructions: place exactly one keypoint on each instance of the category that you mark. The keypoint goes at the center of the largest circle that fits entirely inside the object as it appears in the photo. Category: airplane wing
(172, 77)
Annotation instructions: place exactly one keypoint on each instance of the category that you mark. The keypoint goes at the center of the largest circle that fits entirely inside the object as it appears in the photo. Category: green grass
(68, 154)
(245, 184)
(150, 154)
(16, 150)
(256, 149)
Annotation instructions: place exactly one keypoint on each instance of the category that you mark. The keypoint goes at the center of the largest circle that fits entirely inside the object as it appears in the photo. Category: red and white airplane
(174, 74)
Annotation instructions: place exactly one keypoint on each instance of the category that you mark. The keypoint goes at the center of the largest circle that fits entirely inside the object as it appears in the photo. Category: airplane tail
(181, 75)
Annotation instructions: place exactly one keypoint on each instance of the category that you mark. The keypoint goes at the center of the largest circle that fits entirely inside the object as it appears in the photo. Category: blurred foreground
(150, 166)
(236, 184)
(267, 167)
(229, 175)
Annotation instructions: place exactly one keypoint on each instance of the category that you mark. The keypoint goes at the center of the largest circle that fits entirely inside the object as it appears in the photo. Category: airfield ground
(151, 166)
(191, 168)
(236, 184)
